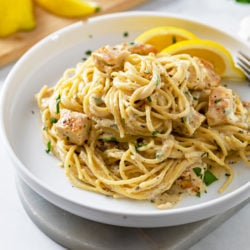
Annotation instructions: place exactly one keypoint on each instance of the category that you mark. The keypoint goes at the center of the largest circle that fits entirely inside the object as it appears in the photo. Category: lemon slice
(69, 8)
(163, 36)
(211, 51)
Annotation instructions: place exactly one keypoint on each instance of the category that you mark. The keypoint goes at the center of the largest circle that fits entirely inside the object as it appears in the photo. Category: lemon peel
(69, 8)
(164, 36)
(211, 51)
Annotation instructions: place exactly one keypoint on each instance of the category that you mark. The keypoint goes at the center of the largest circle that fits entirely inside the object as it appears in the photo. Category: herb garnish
(48, 147)
(58, 100)
(45, 127)
(217, 100)
(197, 171)
(209, 178)
(109, 139)
(139, 145)
(88, 52)
(149, 99)
(53, 120)
(125, 34)
(154, 133)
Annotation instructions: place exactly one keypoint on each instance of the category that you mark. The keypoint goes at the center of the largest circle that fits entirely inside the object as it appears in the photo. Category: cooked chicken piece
(109, 58)
(187, 125)
(208, 77)
(221, 107)
(246, 105)
(72, 126)
(142, 49)
(190, 181)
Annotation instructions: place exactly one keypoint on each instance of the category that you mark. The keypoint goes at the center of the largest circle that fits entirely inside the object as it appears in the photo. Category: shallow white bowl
(20, 123)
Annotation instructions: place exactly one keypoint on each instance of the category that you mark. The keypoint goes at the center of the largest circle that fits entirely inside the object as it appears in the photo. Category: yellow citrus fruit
(211, 51)
(69, 8)
(163, 36)
(16, 15)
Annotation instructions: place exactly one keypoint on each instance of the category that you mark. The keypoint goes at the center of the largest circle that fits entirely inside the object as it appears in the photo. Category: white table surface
(17, 231)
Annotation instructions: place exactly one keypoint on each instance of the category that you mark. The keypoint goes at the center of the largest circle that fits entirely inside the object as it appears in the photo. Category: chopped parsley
(109, 139)
(198, 194)
(217, 100)
(58, 100)
(197, 171)
(53, 120)
(149, 99)
(125, 34)
(209, 178)
(154, 133)
(88, 52)
(139, 145)
(45, 127)
(48, 147)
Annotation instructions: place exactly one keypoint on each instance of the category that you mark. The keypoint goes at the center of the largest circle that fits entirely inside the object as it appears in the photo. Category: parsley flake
(48, 147)
(53, 120)
(209, 178)
(197, 171)
(149, 99)
(109, 139)
(217, 100)
(58, 100)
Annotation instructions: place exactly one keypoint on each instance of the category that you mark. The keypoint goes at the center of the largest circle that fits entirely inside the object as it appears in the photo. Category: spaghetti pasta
(129, 122)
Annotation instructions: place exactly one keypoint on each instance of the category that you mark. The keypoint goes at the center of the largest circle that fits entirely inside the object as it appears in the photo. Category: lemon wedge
(211, 51)
(16, 15)
(163, 36)
(69, 8)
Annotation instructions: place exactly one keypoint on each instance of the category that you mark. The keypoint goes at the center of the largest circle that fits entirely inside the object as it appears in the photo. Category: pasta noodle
(131, 123)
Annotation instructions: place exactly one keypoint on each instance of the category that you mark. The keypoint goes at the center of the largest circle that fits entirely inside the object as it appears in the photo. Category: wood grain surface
(12, 47)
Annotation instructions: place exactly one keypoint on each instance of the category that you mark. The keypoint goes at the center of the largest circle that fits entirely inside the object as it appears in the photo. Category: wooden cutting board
(11, 48)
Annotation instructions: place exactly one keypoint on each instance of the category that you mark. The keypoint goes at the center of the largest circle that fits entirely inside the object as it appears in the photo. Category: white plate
(20, 123)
